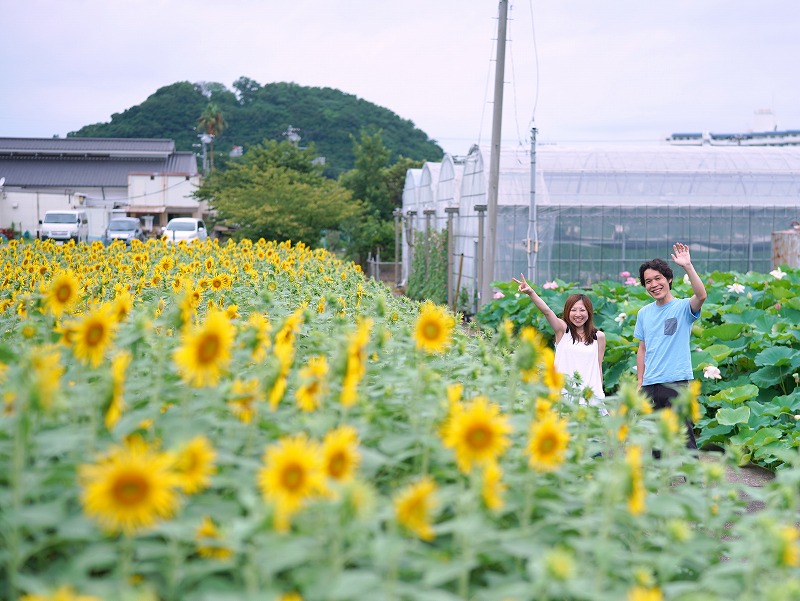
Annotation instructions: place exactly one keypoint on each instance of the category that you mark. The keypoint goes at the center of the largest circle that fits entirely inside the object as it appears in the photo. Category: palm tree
(212, 123)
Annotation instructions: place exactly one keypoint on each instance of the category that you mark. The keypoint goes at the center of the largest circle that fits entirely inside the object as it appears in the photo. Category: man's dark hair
(660, 265)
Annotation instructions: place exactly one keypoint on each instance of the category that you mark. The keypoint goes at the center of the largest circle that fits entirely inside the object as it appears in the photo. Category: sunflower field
(259, 421)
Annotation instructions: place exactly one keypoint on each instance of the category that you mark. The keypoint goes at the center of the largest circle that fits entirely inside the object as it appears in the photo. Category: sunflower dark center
(208, 350)
(293, 477)
(130, 489)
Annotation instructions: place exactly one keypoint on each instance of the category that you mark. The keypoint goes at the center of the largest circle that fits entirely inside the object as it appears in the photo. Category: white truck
(64, 225)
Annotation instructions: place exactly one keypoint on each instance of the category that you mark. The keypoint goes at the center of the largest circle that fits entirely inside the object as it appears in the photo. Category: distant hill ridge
(254, 112)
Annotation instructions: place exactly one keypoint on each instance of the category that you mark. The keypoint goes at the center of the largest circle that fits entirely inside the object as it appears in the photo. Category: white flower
(736, 288)
(550, 285)
(777, 273)
(620, 318)
(686, 279)
(711, 372)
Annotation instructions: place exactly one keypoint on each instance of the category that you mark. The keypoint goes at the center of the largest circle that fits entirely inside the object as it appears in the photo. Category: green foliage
(380, 186)
(277, 192)
(752, 337)
(602, 520)
(367, 179)
(326, 117)
(428, 277)
(171, 112)
(368, 235)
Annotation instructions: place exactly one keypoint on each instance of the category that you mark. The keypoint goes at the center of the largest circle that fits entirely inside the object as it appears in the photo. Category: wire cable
(536, 63)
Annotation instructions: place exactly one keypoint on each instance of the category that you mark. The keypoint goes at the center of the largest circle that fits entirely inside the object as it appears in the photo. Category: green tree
(246, 89)
(380, 186)
(278, 192)
(212, 122)
(327, 117)
(367, 180)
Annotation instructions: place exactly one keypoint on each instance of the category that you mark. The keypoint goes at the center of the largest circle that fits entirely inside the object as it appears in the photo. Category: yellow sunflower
(194, 464)
(636, 490)
(291, 475)
(245, 395)
(47, 371)
(643, 593)
(63, 593)
(206, 351)
(477, 433)
(789, 548)
(93, 334)
(548, 442)
(314, 386)
(208, 537)
(528, 354)
(414, 507)
(552, 378)
(695, 388)
(261, 327)
(129, 489)
(340, 456)
(123, 304)
(62, 294)
(493, 486)
(119, 364)
(434, 328)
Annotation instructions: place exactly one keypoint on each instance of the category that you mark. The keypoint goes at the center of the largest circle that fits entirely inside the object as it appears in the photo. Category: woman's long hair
(589, 329)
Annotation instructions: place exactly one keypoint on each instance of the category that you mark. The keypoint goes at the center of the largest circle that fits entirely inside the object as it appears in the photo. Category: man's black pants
(661, 396)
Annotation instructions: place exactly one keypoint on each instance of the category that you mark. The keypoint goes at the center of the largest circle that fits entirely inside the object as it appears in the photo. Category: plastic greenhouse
(603, 211)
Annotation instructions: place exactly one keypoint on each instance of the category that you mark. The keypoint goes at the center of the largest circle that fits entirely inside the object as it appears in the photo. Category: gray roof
(93, 146)
(88, 162)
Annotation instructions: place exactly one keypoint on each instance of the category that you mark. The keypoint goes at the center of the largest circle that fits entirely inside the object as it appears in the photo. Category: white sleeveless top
(582, 358)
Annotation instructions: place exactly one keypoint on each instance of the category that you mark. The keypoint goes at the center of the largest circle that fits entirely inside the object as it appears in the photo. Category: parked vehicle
(125, 229)
(185, 228)
(65, 225)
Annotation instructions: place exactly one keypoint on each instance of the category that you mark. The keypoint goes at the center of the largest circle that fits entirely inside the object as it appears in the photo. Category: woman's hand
(524, 286)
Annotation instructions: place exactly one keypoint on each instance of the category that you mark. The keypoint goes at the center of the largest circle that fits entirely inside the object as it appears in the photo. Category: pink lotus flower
(630, 282)
(499, 294)
(777, 306)
(550, 285)
(711, 372)
(624, 274)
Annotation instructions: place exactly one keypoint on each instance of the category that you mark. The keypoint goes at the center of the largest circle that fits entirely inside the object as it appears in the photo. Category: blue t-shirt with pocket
(665, 331)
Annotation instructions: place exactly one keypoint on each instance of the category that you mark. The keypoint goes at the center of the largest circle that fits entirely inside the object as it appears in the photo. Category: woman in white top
(580, 346)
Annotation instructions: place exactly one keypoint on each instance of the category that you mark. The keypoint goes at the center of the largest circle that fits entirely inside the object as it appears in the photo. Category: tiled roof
(90, 168)
(102, 146)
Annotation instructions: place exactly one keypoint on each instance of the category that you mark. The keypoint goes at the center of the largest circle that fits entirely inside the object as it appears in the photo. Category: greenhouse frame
(602, 211)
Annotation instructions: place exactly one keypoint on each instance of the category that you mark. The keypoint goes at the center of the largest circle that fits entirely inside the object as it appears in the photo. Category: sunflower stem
(465, 509)
(173, 575)
(18, 464)
(126, 561)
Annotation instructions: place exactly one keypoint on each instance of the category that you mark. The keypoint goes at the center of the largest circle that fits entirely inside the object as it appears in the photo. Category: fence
(387, 272)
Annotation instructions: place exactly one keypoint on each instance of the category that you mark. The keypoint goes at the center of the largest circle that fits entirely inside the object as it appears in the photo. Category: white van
(184, 228)
(64, 225)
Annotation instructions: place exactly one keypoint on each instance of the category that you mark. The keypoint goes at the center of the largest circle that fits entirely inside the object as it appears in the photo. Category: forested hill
(253, 113)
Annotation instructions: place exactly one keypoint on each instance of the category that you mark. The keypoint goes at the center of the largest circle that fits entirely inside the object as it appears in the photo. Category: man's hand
(524, 286)
(680, 254)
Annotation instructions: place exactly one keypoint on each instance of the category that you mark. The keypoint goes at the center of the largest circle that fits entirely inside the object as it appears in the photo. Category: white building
(146, 178)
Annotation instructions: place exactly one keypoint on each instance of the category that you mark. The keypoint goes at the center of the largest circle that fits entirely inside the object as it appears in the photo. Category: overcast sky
(582, 70)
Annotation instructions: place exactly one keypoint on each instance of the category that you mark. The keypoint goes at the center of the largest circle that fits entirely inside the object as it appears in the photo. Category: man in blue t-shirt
(664, 362)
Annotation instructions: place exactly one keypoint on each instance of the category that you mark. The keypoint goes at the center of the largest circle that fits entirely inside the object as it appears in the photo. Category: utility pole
(533, 232)
(494, 163)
